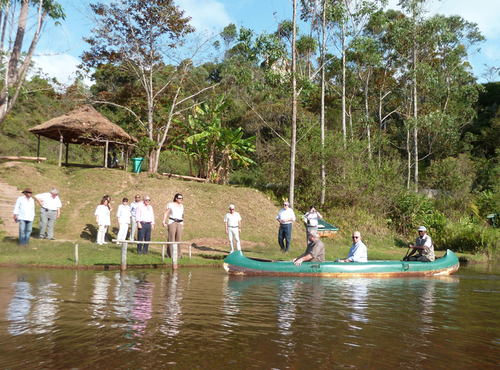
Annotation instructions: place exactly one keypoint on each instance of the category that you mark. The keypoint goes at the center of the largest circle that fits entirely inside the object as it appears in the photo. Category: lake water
(201, 318)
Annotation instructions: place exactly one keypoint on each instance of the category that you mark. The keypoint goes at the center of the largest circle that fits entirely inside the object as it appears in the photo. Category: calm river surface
(201, 318)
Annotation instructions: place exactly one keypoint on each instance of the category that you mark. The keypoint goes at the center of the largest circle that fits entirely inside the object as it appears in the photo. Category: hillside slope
(205, 204)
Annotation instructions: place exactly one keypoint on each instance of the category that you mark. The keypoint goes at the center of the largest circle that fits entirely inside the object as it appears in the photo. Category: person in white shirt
(103, 220)
(145, 218)
(311, 219)
(232, 220)
(285, 217)
(50, 211)
(358, 252)
(24, 213)
(133, 207)
(123, 215)
(175, 215)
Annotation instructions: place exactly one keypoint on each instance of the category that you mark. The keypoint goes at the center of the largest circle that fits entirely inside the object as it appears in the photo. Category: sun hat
(27, 190)
(422, 228)
(232, 206)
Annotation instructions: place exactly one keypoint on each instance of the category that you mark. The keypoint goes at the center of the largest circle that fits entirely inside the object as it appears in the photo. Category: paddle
(404, 258)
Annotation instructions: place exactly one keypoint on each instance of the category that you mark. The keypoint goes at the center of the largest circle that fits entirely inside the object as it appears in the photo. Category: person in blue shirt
(358, 252)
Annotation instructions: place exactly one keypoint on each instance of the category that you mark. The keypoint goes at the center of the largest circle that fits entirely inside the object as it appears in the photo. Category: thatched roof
(83, 125)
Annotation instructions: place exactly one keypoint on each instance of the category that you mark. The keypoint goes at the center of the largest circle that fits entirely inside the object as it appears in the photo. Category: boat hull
(237, 264)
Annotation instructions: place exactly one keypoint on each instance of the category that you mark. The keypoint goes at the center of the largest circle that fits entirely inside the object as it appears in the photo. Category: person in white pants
(103, 220)
(233, 227)
(123, 215)
(133, 207)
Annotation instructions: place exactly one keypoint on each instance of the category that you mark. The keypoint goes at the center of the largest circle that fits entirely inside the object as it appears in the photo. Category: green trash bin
(137, 164)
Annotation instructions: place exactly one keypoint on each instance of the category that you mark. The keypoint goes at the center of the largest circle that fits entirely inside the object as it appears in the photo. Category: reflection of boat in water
(237, 264)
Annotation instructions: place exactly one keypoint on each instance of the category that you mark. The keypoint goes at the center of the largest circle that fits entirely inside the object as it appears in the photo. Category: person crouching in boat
(315, 251)
(358, 252)
(424, 246)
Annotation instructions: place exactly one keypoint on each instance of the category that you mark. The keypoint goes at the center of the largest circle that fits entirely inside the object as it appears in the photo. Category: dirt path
(8, 197)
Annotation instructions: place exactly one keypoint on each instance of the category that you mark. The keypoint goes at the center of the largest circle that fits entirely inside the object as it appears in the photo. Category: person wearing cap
(424, 247)
(285, 217)
(232, 220)
(24, 213)
(145, 218)
(315, 251)
(175, 215)
(50, 211)
(358, 251)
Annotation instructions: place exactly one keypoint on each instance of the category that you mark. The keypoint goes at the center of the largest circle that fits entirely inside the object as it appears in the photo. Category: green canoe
(237, 264)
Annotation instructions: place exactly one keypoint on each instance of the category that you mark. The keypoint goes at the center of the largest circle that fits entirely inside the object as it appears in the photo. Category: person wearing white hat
(24, 213)
(424, 247)
(232, 220)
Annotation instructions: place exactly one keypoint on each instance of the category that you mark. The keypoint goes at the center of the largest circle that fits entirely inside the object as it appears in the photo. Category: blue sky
(60, 47)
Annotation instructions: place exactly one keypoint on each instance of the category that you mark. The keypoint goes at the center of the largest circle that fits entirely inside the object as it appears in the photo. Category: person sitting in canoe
(424, 246)
(357, 253)
(315, 251)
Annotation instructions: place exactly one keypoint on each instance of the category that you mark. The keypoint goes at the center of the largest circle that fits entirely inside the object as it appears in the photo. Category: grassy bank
(205, 206)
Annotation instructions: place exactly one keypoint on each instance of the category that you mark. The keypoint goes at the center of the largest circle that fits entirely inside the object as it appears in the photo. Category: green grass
(205, 206)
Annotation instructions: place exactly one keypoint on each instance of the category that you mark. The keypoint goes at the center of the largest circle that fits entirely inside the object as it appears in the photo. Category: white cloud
(63, 67)
(205, 14)
(486, 13)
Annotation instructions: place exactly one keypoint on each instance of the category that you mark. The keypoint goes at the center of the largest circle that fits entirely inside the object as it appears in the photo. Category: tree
(137, 35)
(216, 148)
(14, 63)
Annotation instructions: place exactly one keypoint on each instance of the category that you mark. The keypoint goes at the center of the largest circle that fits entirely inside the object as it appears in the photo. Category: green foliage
(452, 176)
(409, 210)
(467, 236)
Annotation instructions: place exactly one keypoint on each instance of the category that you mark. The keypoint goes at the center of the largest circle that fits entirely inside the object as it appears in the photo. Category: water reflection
(19, 308)
(194, 318)
(33, 309)
(172, 312)
(99, 300)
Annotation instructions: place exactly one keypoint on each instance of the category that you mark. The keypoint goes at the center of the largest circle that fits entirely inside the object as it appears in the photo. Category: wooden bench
(22, 158)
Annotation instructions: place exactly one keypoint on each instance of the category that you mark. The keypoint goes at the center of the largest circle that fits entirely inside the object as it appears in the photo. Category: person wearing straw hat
(232, 220)
(24, 213)
(424, 246)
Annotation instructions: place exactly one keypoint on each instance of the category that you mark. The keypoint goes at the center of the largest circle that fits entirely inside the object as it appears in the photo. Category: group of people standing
(140, 215)
(24, 214)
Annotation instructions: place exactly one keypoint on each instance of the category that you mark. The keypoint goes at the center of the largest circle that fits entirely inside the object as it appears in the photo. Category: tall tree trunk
(323, 52)
(367, 116)
(415, 111)
(15, 74)
(343, 85)
(294, 108)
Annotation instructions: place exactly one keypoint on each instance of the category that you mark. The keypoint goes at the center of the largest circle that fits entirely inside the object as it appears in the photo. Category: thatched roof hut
(83, 126)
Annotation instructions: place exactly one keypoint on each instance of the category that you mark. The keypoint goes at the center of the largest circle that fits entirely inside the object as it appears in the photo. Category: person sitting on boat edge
(424, 246)
(358, 252)
(315, 251)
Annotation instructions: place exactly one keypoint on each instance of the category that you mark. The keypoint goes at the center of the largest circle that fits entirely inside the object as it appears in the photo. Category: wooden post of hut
(61, 141)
